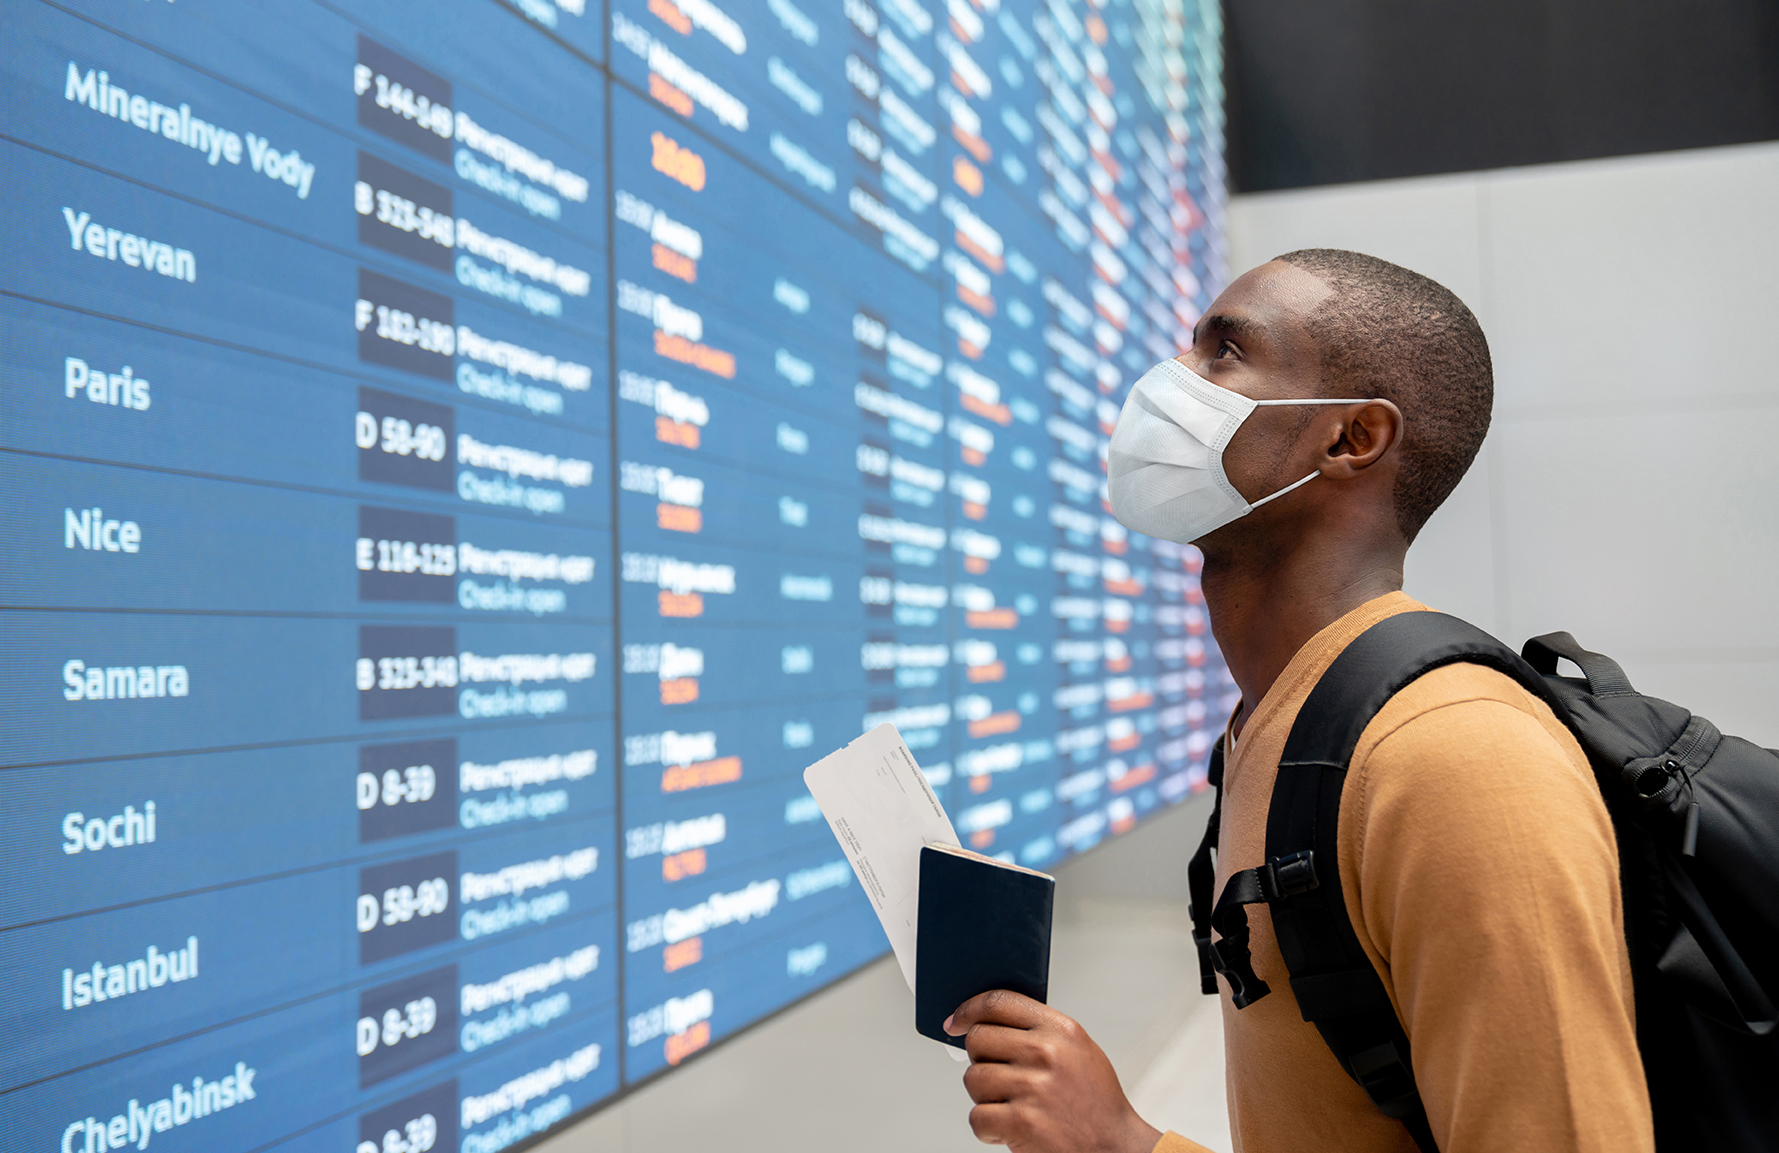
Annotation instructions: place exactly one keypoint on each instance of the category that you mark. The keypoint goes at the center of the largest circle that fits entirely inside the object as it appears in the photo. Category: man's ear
(1366, 434)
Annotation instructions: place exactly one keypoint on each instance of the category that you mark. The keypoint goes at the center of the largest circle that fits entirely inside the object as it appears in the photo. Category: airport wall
(1628, 491)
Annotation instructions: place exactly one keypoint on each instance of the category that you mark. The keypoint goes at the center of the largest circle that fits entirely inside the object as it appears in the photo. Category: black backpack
(1697, 820)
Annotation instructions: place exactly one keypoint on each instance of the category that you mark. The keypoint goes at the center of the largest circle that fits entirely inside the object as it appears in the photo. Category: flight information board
(463, 461)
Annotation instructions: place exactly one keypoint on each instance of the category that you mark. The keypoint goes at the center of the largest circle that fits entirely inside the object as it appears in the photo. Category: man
(1477, 858)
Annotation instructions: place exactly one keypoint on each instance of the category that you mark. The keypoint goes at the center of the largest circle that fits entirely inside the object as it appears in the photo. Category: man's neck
(1266, 604)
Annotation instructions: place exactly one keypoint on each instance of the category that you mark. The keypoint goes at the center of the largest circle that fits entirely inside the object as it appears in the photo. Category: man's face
(1255, 340)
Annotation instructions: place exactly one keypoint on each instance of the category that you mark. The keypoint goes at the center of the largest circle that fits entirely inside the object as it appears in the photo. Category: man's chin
(1219, 541)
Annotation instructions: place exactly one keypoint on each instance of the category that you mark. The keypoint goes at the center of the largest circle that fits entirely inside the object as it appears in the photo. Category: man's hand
(1040, 1083)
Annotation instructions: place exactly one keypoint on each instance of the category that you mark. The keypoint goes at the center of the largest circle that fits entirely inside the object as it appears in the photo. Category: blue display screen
(463, 461)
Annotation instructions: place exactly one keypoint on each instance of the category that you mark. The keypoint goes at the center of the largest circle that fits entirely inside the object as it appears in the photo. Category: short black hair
(1392, 333)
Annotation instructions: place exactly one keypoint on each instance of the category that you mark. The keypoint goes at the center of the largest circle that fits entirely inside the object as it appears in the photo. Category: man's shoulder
(1468, 784)
(1465, 730)
(1461, 696)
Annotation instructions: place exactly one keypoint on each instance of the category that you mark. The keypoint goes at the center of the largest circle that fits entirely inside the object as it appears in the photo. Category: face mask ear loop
(1348, 400)
(1283, 491)
(1313, 475)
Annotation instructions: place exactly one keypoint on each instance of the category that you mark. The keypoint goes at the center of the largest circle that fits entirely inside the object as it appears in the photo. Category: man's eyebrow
(1224, 324)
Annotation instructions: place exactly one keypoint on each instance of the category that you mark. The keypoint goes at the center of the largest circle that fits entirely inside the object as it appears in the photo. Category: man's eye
(1226, 347)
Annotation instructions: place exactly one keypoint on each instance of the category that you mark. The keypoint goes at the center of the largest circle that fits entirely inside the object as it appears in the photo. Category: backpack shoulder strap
(1201, 877)
(1336, 987)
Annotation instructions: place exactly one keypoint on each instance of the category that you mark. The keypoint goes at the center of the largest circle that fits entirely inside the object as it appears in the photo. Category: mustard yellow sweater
(1481, 875)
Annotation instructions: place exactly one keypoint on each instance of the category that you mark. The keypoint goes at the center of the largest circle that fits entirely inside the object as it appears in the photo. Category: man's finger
(998, 1043)
(998, 1007)
(995, 1124)
(989, 1082)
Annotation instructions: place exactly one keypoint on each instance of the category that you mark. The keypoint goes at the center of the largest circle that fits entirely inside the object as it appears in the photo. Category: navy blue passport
(983, 924)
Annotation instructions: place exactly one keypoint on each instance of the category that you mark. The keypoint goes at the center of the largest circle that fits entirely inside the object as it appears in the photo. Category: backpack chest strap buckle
(1229, 953)
(1278, 880)
(1288, 876)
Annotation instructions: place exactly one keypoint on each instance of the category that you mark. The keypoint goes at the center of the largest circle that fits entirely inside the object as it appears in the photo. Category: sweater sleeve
(1487, 893)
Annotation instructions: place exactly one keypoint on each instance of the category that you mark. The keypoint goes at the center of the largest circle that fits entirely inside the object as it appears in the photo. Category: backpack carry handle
(1604, 676)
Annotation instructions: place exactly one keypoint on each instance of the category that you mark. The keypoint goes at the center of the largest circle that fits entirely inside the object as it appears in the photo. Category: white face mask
(1166, 475)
